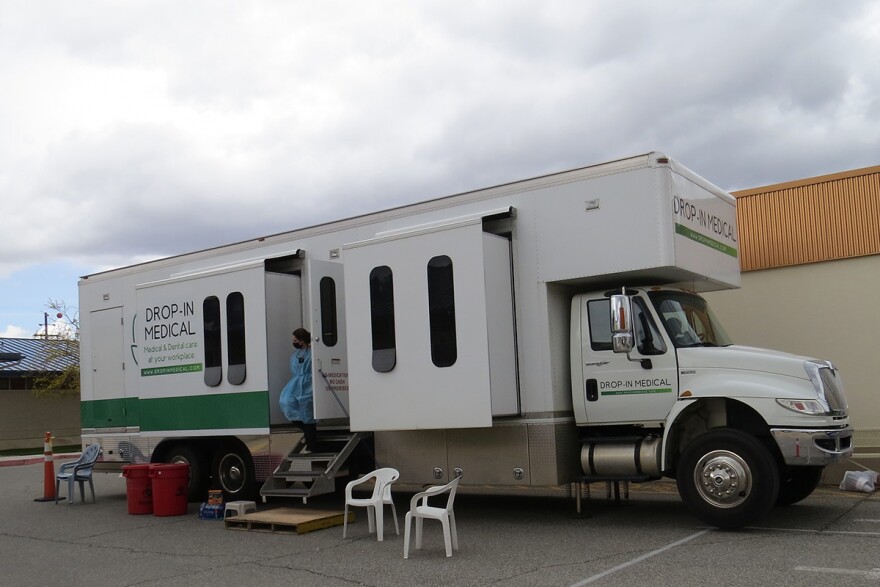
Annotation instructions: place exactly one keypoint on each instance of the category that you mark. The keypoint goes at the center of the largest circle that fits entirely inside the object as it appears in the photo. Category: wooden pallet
(288, 520)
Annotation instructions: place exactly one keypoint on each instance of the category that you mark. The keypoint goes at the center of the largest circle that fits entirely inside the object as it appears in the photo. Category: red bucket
(138, 489)
(170, 489)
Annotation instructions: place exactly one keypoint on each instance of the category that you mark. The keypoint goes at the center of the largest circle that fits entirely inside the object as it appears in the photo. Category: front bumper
(814, 447)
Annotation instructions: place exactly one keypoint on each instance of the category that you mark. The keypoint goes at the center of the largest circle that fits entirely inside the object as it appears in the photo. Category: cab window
(648, 339)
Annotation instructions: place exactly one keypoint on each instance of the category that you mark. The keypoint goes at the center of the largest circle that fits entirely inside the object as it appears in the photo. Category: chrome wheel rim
(723, 479)
(232, 473)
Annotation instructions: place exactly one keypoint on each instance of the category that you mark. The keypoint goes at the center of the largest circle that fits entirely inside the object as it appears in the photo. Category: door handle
(592, 390)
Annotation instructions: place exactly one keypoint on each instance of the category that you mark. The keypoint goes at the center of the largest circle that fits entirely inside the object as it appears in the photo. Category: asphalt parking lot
(832, 538)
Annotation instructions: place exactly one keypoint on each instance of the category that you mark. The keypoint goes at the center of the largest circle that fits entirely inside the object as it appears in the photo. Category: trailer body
(469, 335)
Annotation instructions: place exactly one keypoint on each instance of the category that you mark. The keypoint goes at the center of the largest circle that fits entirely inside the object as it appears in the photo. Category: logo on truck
(170, 342)
(700, 221)
(635, 386)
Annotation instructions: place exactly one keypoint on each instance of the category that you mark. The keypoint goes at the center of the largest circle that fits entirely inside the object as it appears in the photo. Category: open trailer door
(427, 347)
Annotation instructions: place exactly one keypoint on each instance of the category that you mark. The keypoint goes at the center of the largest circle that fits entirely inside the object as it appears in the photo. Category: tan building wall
(810, 255)
(25, 419)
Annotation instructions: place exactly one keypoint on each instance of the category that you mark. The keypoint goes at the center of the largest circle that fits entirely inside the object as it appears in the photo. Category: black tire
(797, 483)
(727, 478)
(233, 471)
(198, 470)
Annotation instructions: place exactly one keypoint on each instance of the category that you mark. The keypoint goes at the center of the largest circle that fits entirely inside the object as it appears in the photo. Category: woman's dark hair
(303, 334)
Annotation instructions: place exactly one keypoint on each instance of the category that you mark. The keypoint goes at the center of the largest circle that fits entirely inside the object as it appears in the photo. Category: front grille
(835, 444)
(833, 385)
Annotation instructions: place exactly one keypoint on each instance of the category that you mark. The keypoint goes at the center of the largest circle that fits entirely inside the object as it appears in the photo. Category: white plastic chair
(422, 510)
(376, 502)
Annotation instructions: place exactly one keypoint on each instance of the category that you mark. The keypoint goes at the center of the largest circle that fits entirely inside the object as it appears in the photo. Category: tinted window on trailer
(211, 328)
(441, 308)
(382, 319)
(329, 330)
(235, 338)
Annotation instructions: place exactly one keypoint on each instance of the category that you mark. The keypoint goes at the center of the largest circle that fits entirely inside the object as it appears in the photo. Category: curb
(17, 461)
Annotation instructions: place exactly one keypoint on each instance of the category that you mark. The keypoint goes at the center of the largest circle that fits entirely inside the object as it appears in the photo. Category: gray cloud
(151, 129)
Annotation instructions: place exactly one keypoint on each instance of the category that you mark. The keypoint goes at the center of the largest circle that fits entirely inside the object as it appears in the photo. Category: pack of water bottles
(213, 508)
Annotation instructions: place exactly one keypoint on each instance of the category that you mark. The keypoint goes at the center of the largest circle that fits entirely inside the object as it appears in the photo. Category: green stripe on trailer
(200, 412)
(109, 413)
(193, 412)
(705, 240)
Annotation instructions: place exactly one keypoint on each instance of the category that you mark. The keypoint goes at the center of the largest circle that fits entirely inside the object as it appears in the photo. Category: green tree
(61, 354)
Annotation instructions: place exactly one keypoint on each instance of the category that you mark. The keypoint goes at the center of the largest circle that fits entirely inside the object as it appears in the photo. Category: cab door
(620, 388)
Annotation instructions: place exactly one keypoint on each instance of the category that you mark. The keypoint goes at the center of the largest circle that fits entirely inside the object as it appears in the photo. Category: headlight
(810, 407)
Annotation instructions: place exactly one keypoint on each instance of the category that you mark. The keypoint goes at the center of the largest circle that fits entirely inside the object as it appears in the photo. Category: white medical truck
(539, 333)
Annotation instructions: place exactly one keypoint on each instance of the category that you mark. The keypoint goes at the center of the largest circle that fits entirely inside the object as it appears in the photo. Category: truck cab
(660, 389)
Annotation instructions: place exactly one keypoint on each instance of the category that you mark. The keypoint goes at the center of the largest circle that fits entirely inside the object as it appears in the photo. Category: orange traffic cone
(48, 470)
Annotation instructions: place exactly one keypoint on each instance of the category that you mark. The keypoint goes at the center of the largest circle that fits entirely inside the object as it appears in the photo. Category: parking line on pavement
(872, 574)
(641, 558)
(811, 531)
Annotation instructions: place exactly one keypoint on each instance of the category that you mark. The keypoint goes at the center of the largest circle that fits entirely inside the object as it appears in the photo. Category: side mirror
(622, 339)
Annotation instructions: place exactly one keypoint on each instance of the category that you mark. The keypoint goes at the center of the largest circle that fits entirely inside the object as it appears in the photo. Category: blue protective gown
(296, 397)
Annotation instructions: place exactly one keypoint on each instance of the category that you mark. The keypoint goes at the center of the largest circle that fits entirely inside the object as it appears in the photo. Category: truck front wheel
(727, 478)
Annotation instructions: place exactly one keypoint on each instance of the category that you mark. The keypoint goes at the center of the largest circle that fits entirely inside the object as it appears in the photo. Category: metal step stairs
(305, 474)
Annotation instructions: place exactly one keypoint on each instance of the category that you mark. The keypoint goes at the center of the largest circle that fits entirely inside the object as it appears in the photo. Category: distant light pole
(59, 315)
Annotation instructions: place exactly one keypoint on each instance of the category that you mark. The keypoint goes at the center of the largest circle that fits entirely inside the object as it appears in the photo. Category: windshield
(688, 319)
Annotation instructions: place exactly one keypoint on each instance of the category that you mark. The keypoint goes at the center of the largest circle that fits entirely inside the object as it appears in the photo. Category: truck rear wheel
(233, 472)
(727, 478)
(797, 484)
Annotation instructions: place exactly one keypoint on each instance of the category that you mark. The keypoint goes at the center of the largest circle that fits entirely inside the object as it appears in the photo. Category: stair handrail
(336, 463)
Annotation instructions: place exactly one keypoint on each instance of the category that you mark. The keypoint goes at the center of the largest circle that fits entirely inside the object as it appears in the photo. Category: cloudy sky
(131, 130)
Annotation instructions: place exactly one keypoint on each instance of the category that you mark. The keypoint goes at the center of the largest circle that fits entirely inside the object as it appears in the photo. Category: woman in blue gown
(296, 399)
